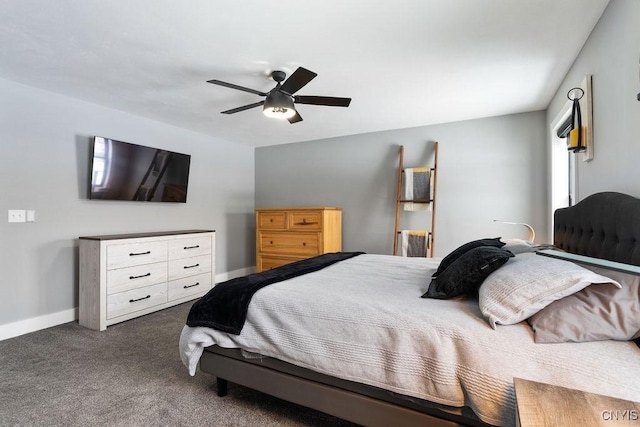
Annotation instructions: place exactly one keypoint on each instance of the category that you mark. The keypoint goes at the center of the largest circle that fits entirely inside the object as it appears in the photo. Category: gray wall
(611, 55)
(489, 169)
(44, 165)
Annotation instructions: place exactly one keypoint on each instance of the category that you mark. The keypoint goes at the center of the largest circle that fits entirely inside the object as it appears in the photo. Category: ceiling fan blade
(232, 86)
(295, 119)
(322, 100)
(246, 107)
(297, 80)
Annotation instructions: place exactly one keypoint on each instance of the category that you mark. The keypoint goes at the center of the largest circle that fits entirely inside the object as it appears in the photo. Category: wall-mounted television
(124, 171)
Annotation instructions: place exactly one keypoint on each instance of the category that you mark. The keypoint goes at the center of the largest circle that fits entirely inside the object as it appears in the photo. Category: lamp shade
(277, 105)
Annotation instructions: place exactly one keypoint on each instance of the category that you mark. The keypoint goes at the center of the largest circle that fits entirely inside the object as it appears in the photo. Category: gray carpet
(128, 375)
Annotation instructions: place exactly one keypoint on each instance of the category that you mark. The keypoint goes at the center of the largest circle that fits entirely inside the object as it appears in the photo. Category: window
(563, 166)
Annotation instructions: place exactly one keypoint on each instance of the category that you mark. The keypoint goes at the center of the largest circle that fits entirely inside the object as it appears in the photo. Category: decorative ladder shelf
(400, 200)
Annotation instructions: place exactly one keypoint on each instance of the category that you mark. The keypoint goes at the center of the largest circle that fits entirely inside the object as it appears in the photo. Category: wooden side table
(546, 405)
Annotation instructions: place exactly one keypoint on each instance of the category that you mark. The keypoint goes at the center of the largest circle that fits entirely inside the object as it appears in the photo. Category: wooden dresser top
(302, 208)
(138, 235)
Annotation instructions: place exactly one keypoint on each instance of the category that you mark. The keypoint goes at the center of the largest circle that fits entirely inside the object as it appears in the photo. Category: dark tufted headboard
(603, 225)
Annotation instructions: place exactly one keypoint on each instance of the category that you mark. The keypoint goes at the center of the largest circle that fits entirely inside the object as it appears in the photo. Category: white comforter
(363, 320)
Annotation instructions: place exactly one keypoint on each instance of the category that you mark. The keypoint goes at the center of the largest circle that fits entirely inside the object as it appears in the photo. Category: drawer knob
(138, 277)
(191, 247)
(304, 243)
(139, 253)
(271, 220)
(191, 286)
(140, 299)
(191, 266)
(271, 242)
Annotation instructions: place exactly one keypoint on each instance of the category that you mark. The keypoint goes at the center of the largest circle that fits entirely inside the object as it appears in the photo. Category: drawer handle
(192, 247)
(138, 277)
(139, 253)
(191, 286)
(140, 299)
(191, 266)
(271, 242)
(304, 243)
(304, 222)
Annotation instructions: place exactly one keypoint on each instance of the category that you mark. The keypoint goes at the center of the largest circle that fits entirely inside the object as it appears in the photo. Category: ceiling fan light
(279, 112)
(278, 106)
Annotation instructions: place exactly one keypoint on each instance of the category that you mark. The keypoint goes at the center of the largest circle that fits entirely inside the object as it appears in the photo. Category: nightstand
(546, 405)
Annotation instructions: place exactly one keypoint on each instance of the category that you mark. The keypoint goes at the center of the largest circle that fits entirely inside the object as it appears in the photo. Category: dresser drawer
(189, 286)
(303, 244)
(272, 220)
(185, 248)
(186, 267)
(305, 220)
(130, 254)
(269, 262)
(134, 300)
(124, 279)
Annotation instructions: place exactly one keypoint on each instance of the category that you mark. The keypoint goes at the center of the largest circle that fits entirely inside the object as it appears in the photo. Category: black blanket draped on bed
(225, 306)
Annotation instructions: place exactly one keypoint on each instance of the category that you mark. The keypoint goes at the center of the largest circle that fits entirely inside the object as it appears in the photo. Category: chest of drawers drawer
(124, 279)
(191, 285)
(271, 220)
(267, 262)
(189, 247)
(305, 221)
(130, 254)
(289, 243)
(186, 267)
(135, 300)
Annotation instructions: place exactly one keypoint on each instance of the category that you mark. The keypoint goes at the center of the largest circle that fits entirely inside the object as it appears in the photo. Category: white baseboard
(223, 277)
(22, 327)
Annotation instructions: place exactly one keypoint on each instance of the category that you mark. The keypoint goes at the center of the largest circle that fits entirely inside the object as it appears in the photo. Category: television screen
(125, 171)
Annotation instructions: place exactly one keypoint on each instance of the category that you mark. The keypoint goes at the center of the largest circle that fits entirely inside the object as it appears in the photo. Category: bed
(355, 340)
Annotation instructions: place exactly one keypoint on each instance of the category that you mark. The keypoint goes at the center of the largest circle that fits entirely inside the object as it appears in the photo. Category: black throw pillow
(457, 253)
(465, 275)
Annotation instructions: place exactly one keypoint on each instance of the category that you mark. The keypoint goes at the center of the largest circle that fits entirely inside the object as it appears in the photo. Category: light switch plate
(31, 216)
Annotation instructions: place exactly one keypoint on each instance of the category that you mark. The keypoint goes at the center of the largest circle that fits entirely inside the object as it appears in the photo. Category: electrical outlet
(17, 215)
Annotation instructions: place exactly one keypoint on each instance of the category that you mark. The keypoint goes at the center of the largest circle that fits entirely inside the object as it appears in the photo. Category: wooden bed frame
(604, 225)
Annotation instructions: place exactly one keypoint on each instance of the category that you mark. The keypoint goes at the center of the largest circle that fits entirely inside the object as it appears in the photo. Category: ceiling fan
(279, 101)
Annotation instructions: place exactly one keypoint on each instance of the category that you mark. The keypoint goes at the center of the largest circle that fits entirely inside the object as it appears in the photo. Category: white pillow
(528, 283)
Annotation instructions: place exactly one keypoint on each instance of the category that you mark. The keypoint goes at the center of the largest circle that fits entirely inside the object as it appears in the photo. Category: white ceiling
(405, 63)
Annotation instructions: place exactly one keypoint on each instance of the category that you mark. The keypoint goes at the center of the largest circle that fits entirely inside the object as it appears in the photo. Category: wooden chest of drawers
(284, 235)
(129, 275)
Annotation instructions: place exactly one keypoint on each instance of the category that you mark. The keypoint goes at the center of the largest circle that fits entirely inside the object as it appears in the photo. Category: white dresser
(128, 275)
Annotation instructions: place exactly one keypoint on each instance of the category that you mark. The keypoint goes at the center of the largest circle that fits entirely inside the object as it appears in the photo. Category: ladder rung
(415, 200)
(431, 168)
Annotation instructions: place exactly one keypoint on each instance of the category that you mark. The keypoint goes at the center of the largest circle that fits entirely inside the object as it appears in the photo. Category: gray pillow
(465, 275)
(528, 283)
(595, 313)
